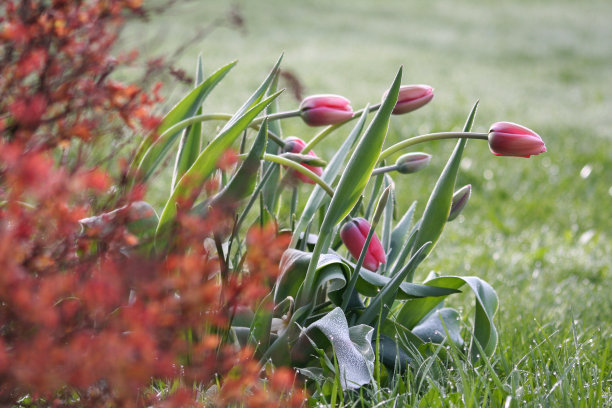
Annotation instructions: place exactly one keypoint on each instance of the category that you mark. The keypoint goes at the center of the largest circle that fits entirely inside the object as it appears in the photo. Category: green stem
(277, 116)
(429, 137)
(383, 170)
(298, 167)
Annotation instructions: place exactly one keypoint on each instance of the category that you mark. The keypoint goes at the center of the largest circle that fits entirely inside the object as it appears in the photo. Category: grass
(538, 230)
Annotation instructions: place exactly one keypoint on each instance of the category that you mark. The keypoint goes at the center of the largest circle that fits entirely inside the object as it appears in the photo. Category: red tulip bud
(295, 145)
(510, 139)
(354, 234)
(412, 97)
(321, 110)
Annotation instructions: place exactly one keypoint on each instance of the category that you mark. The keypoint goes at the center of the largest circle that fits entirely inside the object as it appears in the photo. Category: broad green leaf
(152, 152)
(189, 145)
(431, 329)
(192, 181)
(331, 171)
(440, 200)
(415, 310)
(294, 263)
(380, 305)
(355, 178)
(242, 184)
(391, 354)
(400, 235)
(351, 346)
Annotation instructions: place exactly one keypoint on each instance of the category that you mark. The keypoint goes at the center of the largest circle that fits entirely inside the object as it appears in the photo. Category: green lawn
(539, 230)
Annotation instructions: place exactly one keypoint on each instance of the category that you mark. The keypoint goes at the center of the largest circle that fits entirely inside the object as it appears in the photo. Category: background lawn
(539, 230)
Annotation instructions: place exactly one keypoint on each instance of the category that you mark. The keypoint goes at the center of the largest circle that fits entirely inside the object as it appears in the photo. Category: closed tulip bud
(412, 97)
(412, 162)
(460, 199)
(354, 234)
(296, 145)
(322, 110)
(510, 139)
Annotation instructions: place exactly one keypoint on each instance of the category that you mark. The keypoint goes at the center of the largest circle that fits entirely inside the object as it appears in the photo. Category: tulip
(295, 145)
(460, 199)
(354, 234)
(412, 162)
(321, 110)
(510, 139)
(412, 97)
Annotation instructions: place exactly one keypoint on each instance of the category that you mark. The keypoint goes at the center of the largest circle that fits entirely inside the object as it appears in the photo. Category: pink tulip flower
(354, 234)
(296, 145)
(510, 139)
(321, 110)
(412, 97)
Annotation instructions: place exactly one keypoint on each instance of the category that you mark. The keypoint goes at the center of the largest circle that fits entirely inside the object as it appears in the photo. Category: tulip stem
(429, 137)
(384, 169)
(276, 116)
(325, 132)
(298, 167)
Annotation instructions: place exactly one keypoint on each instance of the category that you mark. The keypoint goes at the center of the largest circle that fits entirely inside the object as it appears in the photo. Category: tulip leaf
(391, 354)
(352, 347)
(400, 235)
(441, 198)
(318, 195)
(435, 327)
(354, 178)
(190, 184)
(388, 214)
(415, 311)
(380, 305)
(189, 144)
(242, 184)
(152, 152)
(330, 269)
(270, 189)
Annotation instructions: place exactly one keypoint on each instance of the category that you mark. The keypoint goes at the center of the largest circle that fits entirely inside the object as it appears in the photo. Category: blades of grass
(440, 200)
(189, 145)
(189, 185)
(387, 295)
(317, 197)
(353, 180)
(152, 152)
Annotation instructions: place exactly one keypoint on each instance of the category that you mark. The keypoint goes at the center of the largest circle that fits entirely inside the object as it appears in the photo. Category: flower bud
(412, 162)
(510, 139)
(460, 199)
(412, 97)
(354, 234)
(296, 145)
(321, 110)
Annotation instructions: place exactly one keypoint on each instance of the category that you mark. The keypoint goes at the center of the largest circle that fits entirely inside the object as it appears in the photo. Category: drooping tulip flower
(322, 110)
(412, 97)
(412, 162)
(510, 139)
(296, 145)
(354, 234)
(460, 199)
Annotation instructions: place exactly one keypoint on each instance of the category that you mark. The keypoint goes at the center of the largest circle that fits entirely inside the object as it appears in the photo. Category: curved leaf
(441, 198)
(151, 152)
(370, 284)
(191, 182)
(294, 263)
(400, 235)
(433, 330)
(415, 311)
(352, 347)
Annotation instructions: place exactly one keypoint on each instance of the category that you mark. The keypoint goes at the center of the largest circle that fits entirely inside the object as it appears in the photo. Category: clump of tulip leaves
(326, 315)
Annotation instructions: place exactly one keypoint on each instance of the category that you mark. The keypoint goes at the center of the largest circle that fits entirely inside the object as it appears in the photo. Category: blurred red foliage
(90, 320)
